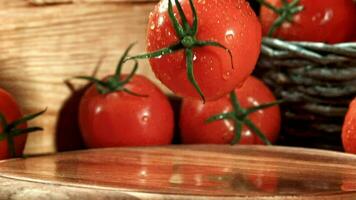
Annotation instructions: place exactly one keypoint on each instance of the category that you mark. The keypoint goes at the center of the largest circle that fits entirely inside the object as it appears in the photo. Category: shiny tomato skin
(194, 129)
(349, 129)
(327, 21)
(11, 111)
(231, 23)
(121, 119)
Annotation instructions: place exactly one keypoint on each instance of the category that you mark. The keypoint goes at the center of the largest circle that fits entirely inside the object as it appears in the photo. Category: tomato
(122, 119)
(13, 126)
(11, 111)
(194, 115)
(349, 129)
(327, 21)
(230, 23)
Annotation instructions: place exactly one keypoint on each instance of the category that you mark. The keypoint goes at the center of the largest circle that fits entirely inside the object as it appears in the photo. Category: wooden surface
(183, 172)
(44, 43)
(44, 2)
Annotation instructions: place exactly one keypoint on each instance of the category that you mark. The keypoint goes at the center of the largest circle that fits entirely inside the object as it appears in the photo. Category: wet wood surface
(183, 172)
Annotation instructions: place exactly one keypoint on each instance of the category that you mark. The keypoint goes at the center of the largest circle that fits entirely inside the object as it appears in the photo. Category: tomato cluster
(327, 21)
(204, 51)
(201, 57)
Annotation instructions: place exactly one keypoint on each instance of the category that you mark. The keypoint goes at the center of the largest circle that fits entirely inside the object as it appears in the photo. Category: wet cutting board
(182, 172)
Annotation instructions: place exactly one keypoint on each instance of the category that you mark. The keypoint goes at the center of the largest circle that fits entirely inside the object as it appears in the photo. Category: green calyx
(187, 42)
(286, 13)
(239, 116)
(11, 130)
(114, 83)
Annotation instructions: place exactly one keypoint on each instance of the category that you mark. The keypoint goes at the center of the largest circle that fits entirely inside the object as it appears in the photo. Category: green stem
(269, 6)
(240, 117)
(177, 27)
(114, 83)
(11, 130)
(286, 12)
(122, 60)
(190, 72)
(238, 131)
(221, 116)
(257, 131)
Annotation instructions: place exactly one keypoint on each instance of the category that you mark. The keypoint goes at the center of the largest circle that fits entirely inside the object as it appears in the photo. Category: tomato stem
(11, 130)
(286, 12)
(187, 42)
(240, 117)
(122, 60)
(114, 83)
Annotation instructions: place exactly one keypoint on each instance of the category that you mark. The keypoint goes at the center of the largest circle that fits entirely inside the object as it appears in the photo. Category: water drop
(160, 20)
(327, 17)
(144, 119)
(229, 35)
(153, 26)
(226, 76)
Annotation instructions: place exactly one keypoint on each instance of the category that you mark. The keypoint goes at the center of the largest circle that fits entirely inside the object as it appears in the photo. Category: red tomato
(320, 21)
(194, 114)
(11, 111)
(231, 23)
(122, 119)
(349, 129)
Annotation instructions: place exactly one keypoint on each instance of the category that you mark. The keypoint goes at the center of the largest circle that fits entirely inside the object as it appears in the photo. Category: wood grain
(44, 2)
(42, 47)
(187, 172)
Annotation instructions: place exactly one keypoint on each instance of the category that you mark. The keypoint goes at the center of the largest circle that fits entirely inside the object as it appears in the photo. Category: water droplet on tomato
(194, 57)
(153, 26)
(160, 20)
(201, 1)
(144, 119)
(229, 35)
(328, 15)
(226, 76)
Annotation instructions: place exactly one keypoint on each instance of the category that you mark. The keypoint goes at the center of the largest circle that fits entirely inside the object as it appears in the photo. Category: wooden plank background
(43, 43)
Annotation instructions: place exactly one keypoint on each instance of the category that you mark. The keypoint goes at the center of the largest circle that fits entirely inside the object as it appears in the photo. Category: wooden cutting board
(182, 172)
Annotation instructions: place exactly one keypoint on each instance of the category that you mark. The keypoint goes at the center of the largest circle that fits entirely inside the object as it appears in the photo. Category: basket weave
(317, 79)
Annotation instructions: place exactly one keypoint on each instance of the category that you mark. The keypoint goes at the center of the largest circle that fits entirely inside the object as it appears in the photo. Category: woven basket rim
(314, 51)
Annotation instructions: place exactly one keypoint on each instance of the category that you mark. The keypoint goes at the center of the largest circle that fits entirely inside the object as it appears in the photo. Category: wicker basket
(317, 79)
